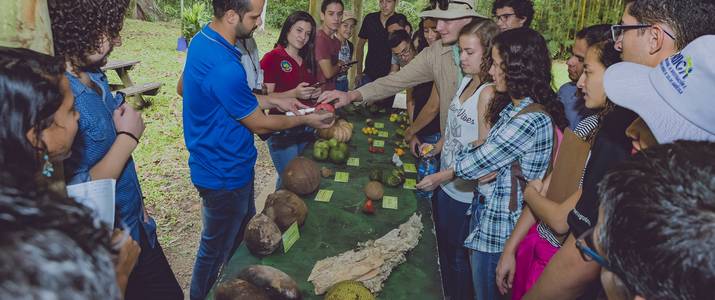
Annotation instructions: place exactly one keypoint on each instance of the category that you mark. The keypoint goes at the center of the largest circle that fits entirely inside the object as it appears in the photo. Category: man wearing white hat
(675, 98)
(438, 63)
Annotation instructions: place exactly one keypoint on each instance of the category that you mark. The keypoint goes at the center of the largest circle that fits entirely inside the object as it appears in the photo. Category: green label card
(290, 237)
(410, 168)
(382, 134)
(378, 143)
(354, 162)
(324, 196)
(342, 176)
(409, 184)
(389, 202)
(379, 125)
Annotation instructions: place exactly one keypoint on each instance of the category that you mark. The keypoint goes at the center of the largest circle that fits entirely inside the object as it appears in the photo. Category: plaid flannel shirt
(528, 139)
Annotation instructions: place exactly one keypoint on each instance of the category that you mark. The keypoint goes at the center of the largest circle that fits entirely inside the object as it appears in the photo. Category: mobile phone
(317, 84)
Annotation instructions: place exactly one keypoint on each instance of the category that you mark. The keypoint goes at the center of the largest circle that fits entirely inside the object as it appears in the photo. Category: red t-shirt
(326, 48)
(281, 69)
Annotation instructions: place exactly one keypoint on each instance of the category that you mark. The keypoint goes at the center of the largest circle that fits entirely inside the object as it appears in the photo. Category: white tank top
(462, 128)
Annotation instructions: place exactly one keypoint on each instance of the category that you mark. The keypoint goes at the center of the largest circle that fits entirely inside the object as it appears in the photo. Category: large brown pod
(239, 289)
(301, 176)
(277, 284)
(373, 190)
(262, 235)
(285, 207)
(342, 131)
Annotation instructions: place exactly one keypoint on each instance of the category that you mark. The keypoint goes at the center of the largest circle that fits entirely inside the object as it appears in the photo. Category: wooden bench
(127, 86)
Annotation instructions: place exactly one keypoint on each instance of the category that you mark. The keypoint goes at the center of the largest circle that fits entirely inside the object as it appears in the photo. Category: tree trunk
(146, 10)
(26, 24)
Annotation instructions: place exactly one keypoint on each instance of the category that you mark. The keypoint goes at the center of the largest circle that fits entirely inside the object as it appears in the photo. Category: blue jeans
(484, 265)
(342, 84)
(225, 214)
(283, 149)
(451, 225)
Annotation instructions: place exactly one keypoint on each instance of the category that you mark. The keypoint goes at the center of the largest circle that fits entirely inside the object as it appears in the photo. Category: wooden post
(314, 10)
(357, 10)
(26, 24)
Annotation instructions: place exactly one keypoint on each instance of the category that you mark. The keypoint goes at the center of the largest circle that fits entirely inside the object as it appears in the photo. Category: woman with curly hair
(522, 116)
(542, 227)
(38, 124)
(84, 34)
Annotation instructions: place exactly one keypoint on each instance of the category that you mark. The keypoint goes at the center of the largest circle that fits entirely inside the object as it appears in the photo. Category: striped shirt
(582, 131)
(527, 139)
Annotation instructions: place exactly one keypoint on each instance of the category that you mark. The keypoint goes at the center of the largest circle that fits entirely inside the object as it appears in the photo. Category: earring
(47, 168)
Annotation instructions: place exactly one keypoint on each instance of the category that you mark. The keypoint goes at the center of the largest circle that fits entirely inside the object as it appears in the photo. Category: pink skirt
(532, 256)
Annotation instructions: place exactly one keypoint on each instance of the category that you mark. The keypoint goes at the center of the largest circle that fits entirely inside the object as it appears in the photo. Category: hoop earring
(47, 167)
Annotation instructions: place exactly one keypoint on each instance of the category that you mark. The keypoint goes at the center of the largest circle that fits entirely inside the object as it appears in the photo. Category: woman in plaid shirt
(522, 73)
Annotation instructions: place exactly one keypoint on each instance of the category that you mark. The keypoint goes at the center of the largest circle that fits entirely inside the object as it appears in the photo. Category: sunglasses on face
(618, 30)
(586, 247)
(444, 4)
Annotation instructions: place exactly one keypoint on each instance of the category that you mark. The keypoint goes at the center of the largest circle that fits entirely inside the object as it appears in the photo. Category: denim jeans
(484, 265)
(225, 214)
(451, 225)
(430, 139)
(342, 84)
(283, 149)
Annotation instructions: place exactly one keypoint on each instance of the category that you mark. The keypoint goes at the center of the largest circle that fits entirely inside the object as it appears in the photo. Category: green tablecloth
(335, 227)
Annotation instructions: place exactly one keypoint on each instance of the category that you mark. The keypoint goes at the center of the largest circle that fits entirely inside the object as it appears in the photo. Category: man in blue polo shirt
(221, 114)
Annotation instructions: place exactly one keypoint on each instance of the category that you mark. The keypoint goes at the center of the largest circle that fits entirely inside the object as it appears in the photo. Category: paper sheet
(97, 195)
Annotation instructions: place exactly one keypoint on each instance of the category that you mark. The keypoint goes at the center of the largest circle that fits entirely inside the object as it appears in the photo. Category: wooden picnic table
(131, 90)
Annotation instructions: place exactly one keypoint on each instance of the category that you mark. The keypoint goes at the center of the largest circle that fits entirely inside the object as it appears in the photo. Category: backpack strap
(516, 173)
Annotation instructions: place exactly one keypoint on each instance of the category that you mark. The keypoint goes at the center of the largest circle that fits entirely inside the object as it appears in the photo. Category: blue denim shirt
(95, 137)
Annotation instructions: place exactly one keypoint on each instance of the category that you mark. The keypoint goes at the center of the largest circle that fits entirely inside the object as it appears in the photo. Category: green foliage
(278, 11)
(194, 17)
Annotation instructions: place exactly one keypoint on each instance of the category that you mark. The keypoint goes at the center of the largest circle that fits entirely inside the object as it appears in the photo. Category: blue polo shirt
(216, 97)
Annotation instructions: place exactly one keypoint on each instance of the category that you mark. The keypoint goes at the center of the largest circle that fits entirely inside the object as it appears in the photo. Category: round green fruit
(338, 156)
(320, 153)
(332, 142)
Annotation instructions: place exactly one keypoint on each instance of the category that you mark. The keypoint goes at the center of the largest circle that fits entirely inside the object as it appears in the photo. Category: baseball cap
(675, 98)
(349, 15)
(455, 9)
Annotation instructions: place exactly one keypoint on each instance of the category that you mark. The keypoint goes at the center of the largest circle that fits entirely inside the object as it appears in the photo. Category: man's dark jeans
(225, 214)
(152, 277)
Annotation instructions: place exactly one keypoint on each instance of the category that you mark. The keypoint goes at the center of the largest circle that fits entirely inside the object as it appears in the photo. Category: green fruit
(392, 180)
(376, 175)
(349, 290)
(338, 156)
(332, 142)
(322, 144)
(320, 153)
(343, 147)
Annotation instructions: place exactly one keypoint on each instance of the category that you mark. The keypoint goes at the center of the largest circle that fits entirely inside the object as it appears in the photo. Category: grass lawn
(162, 157)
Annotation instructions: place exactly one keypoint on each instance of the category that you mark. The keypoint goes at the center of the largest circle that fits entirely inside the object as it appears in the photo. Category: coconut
(239, 289)
(277, 284)
(373, 190)
(284, 208)
(301, 176)
(262, 235)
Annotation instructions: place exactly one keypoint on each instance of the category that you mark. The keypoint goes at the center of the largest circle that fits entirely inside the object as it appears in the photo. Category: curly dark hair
(80, 26)
(31, 94)
(527, 67)
(52, 244)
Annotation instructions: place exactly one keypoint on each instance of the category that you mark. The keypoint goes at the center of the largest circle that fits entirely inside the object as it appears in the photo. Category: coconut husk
(262, 235)
(285, 208)
(371, 262)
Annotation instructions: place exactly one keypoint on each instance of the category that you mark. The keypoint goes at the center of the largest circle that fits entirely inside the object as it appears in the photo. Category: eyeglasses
(618, 30)
(585, 245)
(444, 4)
(404, 53)
(503, 17)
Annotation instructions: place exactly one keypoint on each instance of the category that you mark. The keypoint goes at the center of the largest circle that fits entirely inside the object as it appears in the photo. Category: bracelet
(129, 135)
